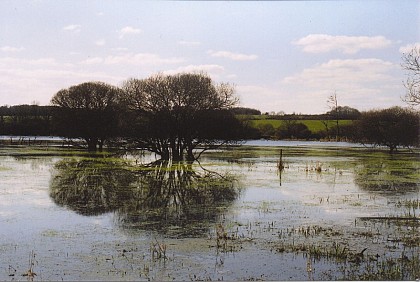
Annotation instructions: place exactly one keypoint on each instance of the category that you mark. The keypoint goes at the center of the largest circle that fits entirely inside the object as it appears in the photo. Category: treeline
(393, 127)
(30, 120)
(35, 120)
(341, 112)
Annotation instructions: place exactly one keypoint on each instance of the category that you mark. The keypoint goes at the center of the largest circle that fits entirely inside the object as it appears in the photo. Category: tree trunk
(189, 149)
(392, 148)
(101, 144)
(190, 155)
(92, 142)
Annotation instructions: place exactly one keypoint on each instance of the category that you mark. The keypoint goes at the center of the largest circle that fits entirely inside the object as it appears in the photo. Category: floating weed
(408, 203)
(352, 257)
(30, 273)
(264, 207)
(221, 237)
(229, 241)
(405, 267)
(50, 233)
(12, 271)
(356, 204)
(158, 250)
(412, 207)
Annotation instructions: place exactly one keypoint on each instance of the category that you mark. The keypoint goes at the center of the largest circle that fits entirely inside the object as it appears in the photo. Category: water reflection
(175, 198)
(91, 186)
(388, 174)
(162, 196)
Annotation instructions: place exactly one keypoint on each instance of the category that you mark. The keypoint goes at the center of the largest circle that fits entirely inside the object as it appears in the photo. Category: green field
(313, 125)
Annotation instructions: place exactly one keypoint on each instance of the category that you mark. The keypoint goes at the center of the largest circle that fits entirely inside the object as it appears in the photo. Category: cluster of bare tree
(170, 115)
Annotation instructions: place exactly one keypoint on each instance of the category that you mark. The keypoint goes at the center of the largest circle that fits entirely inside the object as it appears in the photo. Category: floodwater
(333, 212)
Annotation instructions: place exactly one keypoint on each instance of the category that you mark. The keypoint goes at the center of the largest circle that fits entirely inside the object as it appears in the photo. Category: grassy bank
(314, 125)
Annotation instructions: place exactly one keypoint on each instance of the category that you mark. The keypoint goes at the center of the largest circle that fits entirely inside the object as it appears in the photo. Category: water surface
(234, 216)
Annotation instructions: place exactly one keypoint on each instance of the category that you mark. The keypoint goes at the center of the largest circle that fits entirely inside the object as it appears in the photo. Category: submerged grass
(405, 267)
(355, 264)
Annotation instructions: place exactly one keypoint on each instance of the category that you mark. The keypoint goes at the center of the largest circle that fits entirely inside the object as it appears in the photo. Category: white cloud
(100, 42)
(27, 80)
(189, 43)
(263, 98)
(11, 49)
(129, 30)
(407, 48)
(138, 59)
(76, 28)
(141, 59)
(360, 83)
(322, 43)
(232, 56)
(197, 68)
(343, 72)
(15, 62)
(92, 61)
(213, 70)
(120, 49)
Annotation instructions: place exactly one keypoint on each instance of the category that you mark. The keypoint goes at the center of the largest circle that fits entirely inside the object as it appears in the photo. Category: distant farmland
(314, 125)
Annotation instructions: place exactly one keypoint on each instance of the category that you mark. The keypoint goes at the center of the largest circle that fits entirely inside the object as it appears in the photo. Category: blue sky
(281, 55)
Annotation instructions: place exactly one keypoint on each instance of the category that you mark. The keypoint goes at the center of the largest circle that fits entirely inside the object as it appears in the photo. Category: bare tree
(411, 63)
(87, 111)
(177, 113)
(394, 127)
(332, 104)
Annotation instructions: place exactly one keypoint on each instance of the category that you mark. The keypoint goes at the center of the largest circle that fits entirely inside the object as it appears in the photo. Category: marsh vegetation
(329, 213)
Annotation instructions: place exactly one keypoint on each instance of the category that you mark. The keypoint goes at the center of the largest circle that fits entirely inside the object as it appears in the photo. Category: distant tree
(27, 120)
(245, 111)
(391, 127)
(3, 114)
(345, 113)
(87, 111)
(174, 114)
(267, 130)
(411, 63)
(291, 129)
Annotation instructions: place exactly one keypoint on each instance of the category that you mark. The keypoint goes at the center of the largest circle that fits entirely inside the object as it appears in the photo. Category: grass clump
(401, 268)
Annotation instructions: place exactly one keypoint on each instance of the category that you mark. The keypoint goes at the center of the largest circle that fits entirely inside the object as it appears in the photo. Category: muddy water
(66, 216)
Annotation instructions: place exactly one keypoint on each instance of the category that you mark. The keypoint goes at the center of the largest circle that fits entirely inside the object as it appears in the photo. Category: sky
(281, 56)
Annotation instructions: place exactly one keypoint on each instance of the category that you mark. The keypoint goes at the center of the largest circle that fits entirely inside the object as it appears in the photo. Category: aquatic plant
(158, 250)
(30, 274)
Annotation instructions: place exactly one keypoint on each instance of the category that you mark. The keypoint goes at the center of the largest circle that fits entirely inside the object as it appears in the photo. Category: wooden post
(280, 164)
(281, 157)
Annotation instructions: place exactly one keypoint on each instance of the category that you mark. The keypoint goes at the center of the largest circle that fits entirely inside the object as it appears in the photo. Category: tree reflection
(163, 196)
(387, 175)
(91, 186)
(175, 198)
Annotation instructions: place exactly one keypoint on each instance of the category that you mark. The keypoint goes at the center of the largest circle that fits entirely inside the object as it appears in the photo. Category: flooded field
(333, 212)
